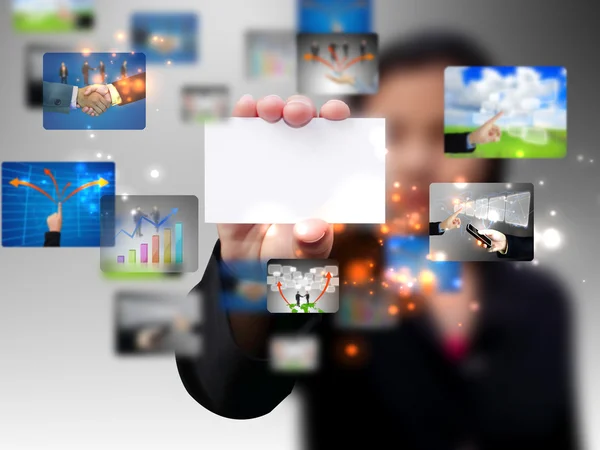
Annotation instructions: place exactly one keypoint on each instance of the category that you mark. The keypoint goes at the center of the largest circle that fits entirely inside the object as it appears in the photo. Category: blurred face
(412, 102)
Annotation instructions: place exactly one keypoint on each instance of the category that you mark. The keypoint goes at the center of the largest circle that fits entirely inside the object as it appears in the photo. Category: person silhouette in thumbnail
(333, 47)
(63, 73)
(298, 298)
(155, 216)
(314, 48)
(307, 298)
(85, 70)
(346, 49)
(124, 69)
(363, 47)
(138, 214)
(102, 70)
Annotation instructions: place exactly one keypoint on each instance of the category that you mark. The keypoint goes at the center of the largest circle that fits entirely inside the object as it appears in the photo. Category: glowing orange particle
(351, 350)
(396, 198)
(414, 188)
(411, 306)
(358, 271)
(393, 310)
(385, 229)
(339, 227)
(396, 185)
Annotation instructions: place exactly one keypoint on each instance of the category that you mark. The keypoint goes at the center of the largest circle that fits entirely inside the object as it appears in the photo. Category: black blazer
(513, 391)
(456, 143)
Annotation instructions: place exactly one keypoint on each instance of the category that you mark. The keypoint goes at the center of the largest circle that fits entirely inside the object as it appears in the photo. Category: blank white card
(259, 172)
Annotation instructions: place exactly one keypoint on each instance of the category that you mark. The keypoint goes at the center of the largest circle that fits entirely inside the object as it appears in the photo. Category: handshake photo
(94, 100)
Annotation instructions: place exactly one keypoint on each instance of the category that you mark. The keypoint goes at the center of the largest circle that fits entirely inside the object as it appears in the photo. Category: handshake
(95, 99)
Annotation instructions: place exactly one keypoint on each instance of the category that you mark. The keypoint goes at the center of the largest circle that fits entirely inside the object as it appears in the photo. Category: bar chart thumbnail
(270, 55)
(151, 234)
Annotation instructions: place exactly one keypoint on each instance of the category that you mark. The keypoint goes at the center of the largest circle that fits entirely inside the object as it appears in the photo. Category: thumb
(88, 91)
(60, 209)
(490, 233)
(312, 239)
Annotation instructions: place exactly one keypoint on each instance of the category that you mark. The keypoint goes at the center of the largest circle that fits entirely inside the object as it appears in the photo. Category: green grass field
(513, 147)
(45, 23)
(115, 272)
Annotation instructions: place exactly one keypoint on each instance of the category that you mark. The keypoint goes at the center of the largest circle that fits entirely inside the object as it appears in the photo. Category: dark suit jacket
(57, 97)
(456, 143)
(52, 239)
(519, 248)
(434, 229)
(131, 89)
(512, 391)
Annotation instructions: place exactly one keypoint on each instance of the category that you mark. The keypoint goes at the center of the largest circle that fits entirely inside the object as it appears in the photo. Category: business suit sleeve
(434, 229)
(225, 380)
(131, 89)
(57, 97)
(52, 239)
(519, 248)
(456, 143)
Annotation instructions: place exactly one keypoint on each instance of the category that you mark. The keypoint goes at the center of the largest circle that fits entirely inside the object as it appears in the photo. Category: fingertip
(313, 238)
(303, 99)
(245, 107)
(298, 113)
(311, 231)
(335, 110)
(270, 108)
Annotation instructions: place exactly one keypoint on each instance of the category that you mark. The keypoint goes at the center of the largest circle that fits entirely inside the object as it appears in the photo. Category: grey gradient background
(61, 386)
(329, 302)
(458, 245)
(187, 214)
(311, 74)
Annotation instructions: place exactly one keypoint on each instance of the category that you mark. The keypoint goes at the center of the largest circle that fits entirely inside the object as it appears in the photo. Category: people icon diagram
(302, 286)
(338, 63)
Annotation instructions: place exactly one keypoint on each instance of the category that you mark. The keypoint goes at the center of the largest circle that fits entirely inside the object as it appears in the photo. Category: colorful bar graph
(144, 253)
(121, 259)
(178, 243)
(167, 252)
(155, 249)
(131, 256)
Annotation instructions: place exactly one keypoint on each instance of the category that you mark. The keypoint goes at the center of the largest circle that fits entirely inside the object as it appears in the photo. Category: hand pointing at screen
(54, 222)
(451, 222)
(486, 133)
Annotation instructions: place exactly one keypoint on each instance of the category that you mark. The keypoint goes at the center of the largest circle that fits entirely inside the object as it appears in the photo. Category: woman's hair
(421, 49)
